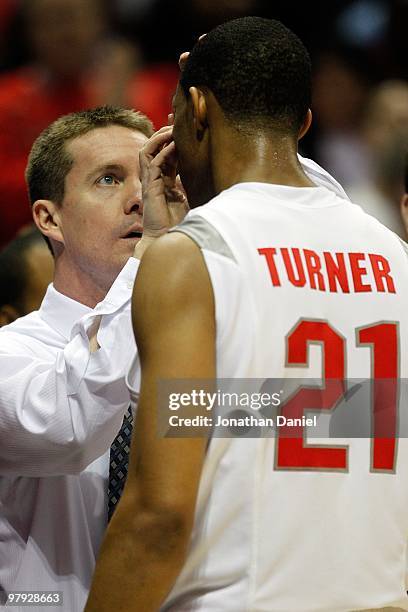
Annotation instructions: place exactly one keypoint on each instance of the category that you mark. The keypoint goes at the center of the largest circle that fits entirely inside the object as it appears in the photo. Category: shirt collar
(61, 312)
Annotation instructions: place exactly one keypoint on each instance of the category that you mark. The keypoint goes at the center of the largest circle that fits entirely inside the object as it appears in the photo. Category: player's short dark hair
(14, 269)
(257, 69)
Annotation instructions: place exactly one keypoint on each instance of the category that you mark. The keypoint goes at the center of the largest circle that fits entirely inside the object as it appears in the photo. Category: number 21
(382, 338)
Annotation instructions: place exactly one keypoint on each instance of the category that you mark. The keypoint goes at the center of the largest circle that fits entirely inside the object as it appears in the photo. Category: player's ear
(404, 211)
(46, 216)
(199, 109)
(306, 124)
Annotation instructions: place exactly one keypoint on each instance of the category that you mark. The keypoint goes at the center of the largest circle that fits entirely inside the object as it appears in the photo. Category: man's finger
(155, 142)
(166, 157)
(183, 58)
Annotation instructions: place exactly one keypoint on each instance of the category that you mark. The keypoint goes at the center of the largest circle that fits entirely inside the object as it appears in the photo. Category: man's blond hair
(49, 161)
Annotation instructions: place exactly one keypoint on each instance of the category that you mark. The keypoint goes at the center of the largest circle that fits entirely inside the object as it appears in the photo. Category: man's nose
(134, 202)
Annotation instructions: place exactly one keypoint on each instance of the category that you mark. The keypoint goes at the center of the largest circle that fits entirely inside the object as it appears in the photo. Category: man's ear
(306, 124)
(199, 109)
(47, 218)
(404, 211)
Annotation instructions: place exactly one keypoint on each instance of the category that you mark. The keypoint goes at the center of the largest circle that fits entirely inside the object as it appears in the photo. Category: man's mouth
(133, 234)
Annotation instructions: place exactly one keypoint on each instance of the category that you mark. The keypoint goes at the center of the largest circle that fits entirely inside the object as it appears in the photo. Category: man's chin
(131, 242)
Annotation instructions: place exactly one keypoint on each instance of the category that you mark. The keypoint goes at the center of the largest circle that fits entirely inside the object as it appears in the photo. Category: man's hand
(164, 200)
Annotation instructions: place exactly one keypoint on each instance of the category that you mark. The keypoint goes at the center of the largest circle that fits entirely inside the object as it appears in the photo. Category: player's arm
(147, 539)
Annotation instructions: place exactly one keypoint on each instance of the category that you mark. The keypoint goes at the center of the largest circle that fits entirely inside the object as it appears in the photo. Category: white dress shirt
(60, 409)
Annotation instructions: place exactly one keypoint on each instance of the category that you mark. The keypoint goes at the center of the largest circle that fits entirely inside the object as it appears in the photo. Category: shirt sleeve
(61, 410)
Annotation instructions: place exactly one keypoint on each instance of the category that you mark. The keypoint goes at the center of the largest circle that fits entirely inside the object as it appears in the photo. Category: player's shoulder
(172, 277)
(174, 261)
(173, 245)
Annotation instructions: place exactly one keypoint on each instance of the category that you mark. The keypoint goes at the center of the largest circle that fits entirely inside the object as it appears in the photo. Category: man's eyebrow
(105, 168)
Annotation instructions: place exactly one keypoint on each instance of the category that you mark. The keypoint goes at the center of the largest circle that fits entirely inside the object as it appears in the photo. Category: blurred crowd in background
(58, 56)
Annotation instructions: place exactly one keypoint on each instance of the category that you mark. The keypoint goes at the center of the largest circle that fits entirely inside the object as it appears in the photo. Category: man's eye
(107, 179)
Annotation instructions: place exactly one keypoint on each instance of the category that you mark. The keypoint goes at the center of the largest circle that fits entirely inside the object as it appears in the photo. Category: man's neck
(78, 286)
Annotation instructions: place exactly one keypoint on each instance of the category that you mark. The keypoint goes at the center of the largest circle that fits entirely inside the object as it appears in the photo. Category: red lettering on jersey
(269, 256)
(305, 267)
(300, 279)
(336, 272)
(314, 267)
(358, 271)
(381, 271)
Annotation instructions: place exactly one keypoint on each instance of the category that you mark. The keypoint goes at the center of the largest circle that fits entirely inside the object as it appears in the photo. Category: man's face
(192, 151)
(101, 212)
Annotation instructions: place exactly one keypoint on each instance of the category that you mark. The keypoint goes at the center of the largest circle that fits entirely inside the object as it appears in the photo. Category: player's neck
(259, 159)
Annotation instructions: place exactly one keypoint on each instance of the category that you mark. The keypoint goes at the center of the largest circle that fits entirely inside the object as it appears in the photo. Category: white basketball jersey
(306, 285)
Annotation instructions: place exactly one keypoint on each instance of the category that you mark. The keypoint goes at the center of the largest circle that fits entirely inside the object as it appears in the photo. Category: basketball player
(272, 278)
